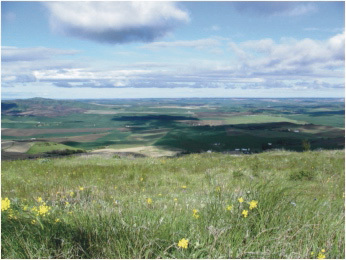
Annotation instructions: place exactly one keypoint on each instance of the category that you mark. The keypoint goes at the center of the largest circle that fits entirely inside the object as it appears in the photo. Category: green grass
(256, 119)
(43, 147)
(330, 120)
(300, 206)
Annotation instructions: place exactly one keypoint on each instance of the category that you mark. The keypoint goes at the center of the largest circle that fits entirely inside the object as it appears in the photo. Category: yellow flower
(175, 199)
(149, 201)
(323, 250)
(25, 207)
(195, 213)
(43, 210)
(253, 204)
(241, 200)
(183, 243)
(218, 189)
(142, 179)
(245, 213)
(229, 207)
(5, 204)
(57, 220)
(81, 188)
(321, 256)
(33, 221)
(312, 253)
(67, 203)
(39, 199)
(71, 194)
(184, 186)
(115, 187)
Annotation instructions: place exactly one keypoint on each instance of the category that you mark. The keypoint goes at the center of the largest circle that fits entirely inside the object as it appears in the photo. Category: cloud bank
(258, 64)
(199, 44)
(10, 53)
(115, 22)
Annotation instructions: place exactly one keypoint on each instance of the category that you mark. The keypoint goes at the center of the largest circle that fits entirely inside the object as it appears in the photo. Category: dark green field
(183, 125)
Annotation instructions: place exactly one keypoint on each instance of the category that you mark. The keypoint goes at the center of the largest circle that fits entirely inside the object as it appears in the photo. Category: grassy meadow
(276, 204)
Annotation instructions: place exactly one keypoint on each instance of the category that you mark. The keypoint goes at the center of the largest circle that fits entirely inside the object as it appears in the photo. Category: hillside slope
(270, 205)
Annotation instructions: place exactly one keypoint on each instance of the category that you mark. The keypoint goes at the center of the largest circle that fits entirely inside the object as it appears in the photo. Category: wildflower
(71, 194)
(184, 187)
(39, 199)
(253, 204)
(245, 213)
(218, 189)
(175, 199)
(115, 187)
(241, 200)
(81, 188)
(195, 213)
(160, 194)
(183, 243)
(142, 179)
(312, 253)
(25, 207)
(323, 250)
(43, 210)
(321, 256)
(57, 220)
(33, 221)
(67, 203)
(229, 207)
(149, 201)
(5, 204)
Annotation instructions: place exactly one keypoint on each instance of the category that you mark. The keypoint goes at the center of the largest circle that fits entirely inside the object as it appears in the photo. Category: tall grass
(99, 208)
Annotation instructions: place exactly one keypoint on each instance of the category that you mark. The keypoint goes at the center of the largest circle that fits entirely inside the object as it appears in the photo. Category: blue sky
(172, 49)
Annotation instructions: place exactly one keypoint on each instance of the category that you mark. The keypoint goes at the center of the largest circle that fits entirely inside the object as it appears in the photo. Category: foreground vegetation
(270, 205)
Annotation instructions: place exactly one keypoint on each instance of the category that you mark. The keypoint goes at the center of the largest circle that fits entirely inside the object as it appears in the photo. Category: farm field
(179, 125)
(276, 204)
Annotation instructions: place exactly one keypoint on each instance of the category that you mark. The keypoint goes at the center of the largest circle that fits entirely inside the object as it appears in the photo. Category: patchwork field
(184, 125)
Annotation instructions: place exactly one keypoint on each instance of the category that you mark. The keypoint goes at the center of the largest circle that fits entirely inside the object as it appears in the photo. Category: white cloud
(201, 43)
(292, 58)
(115, 22)
(10, 53)
(262, 64)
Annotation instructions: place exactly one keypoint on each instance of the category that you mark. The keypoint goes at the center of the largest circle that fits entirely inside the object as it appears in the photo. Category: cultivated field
(184, 125)
(271, 205)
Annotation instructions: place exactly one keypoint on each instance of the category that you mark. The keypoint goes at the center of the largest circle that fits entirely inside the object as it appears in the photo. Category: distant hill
(44, 107)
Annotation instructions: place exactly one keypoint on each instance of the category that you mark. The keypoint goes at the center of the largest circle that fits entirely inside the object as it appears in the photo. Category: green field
(256, 119)
(39, 148)
(189, 125)
(81, 207)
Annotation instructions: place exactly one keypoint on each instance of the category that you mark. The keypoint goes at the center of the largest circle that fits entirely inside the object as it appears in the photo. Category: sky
(161, 49)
